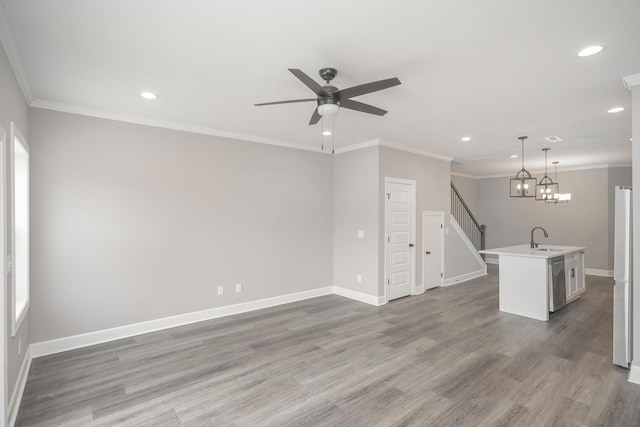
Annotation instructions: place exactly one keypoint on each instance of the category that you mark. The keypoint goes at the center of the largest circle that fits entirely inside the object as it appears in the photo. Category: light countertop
(542, 251)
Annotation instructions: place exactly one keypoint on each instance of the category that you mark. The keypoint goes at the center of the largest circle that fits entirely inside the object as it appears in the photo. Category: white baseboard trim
(597, 272)
(18, 389)
(464, 277)
(419, 290)
(358, 296)
(84, 340)
(489, 260)
(634, 374)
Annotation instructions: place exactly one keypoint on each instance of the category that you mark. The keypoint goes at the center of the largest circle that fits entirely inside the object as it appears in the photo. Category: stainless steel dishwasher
(558, 291)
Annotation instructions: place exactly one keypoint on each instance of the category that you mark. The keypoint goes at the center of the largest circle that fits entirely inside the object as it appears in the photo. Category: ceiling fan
(329, 98)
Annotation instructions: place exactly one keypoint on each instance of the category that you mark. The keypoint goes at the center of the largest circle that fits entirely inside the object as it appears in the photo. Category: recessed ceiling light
(466, 139)
(326, 133)
(615, 110)
(149, 95)
(553, 138)
(513, 156)
(591, 50)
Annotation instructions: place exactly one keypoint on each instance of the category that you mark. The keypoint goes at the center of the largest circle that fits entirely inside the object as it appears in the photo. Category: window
(19, 226)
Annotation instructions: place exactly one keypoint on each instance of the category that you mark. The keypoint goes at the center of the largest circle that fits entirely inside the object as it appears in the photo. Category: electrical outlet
(220, 290)
(238, 287)
(360, 234)
(359, 278)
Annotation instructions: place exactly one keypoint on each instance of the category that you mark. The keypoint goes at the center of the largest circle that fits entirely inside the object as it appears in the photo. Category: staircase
(469, 224)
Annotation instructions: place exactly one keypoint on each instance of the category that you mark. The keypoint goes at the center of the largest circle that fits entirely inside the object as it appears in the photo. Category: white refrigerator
(622, 261)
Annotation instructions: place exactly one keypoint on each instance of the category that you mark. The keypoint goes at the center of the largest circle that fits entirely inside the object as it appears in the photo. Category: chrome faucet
(534, 244)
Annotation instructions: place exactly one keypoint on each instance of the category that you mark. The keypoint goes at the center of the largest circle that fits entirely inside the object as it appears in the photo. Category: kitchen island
(534, 281)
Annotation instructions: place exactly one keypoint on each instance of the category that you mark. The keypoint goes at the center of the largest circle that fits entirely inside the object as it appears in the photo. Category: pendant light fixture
(522, 185)
(546, 188)
(559, 197)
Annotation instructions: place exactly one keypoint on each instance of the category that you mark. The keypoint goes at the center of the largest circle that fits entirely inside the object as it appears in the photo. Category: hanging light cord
(545, 161)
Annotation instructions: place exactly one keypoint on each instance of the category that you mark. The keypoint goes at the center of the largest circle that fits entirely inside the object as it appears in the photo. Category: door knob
(428, 253)
(410, 245)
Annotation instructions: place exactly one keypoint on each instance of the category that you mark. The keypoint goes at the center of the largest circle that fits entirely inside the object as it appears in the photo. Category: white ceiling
(492, 70)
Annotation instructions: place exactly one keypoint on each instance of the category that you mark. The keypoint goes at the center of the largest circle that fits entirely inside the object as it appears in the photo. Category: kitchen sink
(547, 249)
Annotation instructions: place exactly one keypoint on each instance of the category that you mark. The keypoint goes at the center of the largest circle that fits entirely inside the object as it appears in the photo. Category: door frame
(424, 244)
(387, 181)
(4, 387)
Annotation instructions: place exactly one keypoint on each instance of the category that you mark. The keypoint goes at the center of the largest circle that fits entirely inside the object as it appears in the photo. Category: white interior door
(400, 202)
(432, 249)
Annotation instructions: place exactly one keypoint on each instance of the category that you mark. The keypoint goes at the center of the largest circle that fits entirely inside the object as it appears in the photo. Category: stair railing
(472, 228)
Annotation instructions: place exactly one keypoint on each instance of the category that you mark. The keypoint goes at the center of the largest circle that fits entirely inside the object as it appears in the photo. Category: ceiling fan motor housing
(328, 74)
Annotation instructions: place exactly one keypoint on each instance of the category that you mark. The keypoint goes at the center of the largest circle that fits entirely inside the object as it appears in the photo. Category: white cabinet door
(580, 272)
(571, 276)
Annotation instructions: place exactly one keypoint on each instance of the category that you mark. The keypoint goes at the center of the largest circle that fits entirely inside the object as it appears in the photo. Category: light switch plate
(220, 290)
(360, 234)
(359, 278)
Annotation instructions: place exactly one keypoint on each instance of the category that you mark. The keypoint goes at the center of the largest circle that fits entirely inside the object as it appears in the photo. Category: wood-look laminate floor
(447, 357)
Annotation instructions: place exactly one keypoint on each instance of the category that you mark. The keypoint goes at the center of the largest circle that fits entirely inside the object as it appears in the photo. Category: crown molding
(463, 175)
(541, 171)
(72, 109)
(358, 146)
(9, 44)
(396, 146)
(414, 150)
(630, 81)
(83, 111)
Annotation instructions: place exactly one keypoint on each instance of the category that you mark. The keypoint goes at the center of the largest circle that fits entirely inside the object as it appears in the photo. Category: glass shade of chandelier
(546, 189)
(522, 185)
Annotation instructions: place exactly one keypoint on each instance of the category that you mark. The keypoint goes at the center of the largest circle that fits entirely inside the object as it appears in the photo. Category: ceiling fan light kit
(522, 185)
(328, 110)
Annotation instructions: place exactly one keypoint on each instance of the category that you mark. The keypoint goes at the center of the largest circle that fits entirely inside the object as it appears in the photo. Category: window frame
(18, 313)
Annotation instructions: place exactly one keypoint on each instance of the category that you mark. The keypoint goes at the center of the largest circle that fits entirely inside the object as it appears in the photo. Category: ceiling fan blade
(361, 106)
(363, 89)
(315, 117)
(309, 82)
(286, 102)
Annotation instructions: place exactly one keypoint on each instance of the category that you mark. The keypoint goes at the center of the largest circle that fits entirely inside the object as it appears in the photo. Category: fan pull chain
(333, 135)
(322, 135)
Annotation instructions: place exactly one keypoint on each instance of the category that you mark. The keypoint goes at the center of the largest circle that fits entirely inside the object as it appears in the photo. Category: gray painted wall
(13, 108)
(356, 195)
(432, 178)
(468, 190)
(133, 223)
(459, 259)
(585, 221)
